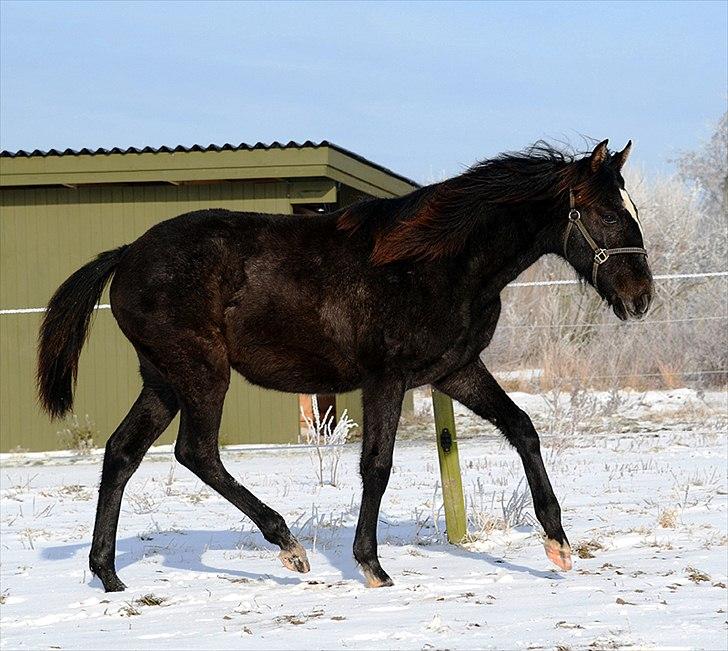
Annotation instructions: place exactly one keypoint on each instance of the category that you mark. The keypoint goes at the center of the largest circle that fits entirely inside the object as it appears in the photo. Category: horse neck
(511, 240)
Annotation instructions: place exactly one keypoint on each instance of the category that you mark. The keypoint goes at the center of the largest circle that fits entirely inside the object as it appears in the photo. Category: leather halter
(600, 255)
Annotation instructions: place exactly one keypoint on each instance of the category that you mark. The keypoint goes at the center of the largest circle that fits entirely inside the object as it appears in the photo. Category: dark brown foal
(383, 296)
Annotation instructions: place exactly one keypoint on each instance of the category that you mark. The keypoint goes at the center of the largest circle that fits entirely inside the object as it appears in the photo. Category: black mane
(435, 220)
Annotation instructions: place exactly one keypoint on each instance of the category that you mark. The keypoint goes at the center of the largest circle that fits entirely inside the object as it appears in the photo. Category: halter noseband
(600, 255)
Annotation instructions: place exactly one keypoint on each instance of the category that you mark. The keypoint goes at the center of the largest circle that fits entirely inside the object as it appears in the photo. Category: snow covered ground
(645, 510)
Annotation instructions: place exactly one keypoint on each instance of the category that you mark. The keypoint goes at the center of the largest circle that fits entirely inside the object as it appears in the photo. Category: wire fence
(572, 350)
(574, 281)
(552, 337)
(642, 323)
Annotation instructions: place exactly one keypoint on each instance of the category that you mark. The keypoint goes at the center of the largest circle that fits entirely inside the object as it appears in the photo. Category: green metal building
(60, 208)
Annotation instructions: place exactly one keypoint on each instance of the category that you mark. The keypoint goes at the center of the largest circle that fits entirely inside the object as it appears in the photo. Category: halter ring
(574, 215)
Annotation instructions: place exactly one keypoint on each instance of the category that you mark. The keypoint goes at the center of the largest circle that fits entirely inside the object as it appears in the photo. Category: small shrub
(327, 439)
(514, 509)
(141, 503)
(78, 437)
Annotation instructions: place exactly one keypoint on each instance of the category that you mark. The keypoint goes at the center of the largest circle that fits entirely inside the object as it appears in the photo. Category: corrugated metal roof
(21, 153)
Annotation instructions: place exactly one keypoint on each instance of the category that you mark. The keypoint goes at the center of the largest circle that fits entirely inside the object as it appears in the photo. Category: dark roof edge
(202, 148)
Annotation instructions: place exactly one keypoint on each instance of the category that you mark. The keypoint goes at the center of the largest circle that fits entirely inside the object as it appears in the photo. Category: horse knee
(522, 422)
(522, 435)
(531, 443)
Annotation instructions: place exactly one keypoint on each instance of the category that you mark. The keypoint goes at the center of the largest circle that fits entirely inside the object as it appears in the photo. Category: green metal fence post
(447, 452)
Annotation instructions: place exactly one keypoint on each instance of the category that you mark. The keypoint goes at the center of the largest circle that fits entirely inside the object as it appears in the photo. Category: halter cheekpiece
(600, 255)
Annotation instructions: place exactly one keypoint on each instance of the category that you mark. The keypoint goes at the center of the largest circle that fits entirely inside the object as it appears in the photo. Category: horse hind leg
(382, 406)
(201, 402)
(150, 415)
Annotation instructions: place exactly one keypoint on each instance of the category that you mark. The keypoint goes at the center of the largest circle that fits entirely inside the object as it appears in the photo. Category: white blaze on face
(631, 209)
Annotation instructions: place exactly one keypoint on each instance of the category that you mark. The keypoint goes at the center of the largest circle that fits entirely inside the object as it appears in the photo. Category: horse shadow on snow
(184, 550)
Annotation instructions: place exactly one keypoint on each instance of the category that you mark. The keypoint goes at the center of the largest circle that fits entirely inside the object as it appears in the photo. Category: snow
(646, 509)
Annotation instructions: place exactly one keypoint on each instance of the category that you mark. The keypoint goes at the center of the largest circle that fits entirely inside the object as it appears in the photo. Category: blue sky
(424, 88)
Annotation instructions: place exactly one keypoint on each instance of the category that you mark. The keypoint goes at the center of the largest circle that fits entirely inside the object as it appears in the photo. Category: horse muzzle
(632, 307)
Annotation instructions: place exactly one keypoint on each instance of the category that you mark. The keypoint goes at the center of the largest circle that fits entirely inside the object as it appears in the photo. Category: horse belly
(287, 350)
(284, 368)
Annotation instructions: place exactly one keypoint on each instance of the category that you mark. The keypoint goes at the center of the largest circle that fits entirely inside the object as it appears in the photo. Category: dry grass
(150, 600)
(482, 510)
(129, 610)
(695, 575)
(586, 548)
(142, 503)
(668, 518)
(300, 618)
(76, 492)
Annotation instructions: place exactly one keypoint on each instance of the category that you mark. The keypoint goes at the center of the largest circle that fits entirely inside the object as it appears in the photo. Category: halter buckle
(601, 256)
(574, 215)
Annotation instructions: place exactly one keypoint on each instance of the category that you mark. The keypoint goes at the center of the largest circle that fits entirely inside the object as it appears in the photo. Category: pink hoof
(558, 554)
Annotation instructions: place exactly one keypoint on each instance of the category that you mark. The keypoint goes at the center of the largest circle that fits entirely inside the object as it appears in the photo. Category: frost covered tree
(707, 167)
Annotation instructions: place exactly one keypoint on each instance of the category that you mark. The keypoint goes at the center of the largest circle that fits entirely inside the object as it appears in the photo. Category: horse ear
(599, 155)
(620, 158)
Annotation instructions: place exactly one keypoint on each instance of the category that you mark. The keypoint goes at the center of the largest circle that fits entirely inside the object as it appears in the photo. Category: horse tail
(65, 328)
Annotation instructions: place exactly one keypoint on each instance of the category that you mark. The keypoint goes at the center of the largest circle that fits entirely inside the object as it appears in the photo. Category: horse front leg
(474, 387)
(382, 401)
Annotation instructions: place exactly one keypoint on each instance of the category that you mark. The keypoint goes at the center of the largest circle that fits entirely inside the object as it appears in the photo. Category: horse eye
(609, 218)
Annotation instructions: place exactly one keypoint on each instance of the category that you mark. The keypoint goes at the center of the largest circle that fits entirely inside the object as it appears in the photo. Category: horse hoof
(378, 580)
(558, 553)
(295, 559)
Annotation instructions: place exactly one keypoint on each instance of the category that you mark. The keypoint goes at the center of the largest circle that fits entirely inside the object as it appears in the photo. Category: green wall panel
(45, 235)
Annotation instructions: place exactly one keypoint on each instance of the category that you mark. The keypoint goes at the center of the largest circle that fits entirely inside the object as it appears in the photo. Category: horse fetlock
(108, 578)
(376, 577)
(549, 515)
(112, 583)
(366, 555)
(105, 571)
(365, 549)
(276, 532)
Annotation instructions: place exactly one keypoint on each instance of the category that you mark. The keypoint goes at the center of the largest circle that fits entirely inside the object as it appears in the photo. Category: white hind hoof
(295, 559)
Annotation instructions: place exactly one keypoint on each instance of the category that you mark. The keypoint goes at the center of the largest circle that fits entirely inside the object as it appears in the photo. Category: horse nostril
(642, 303)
